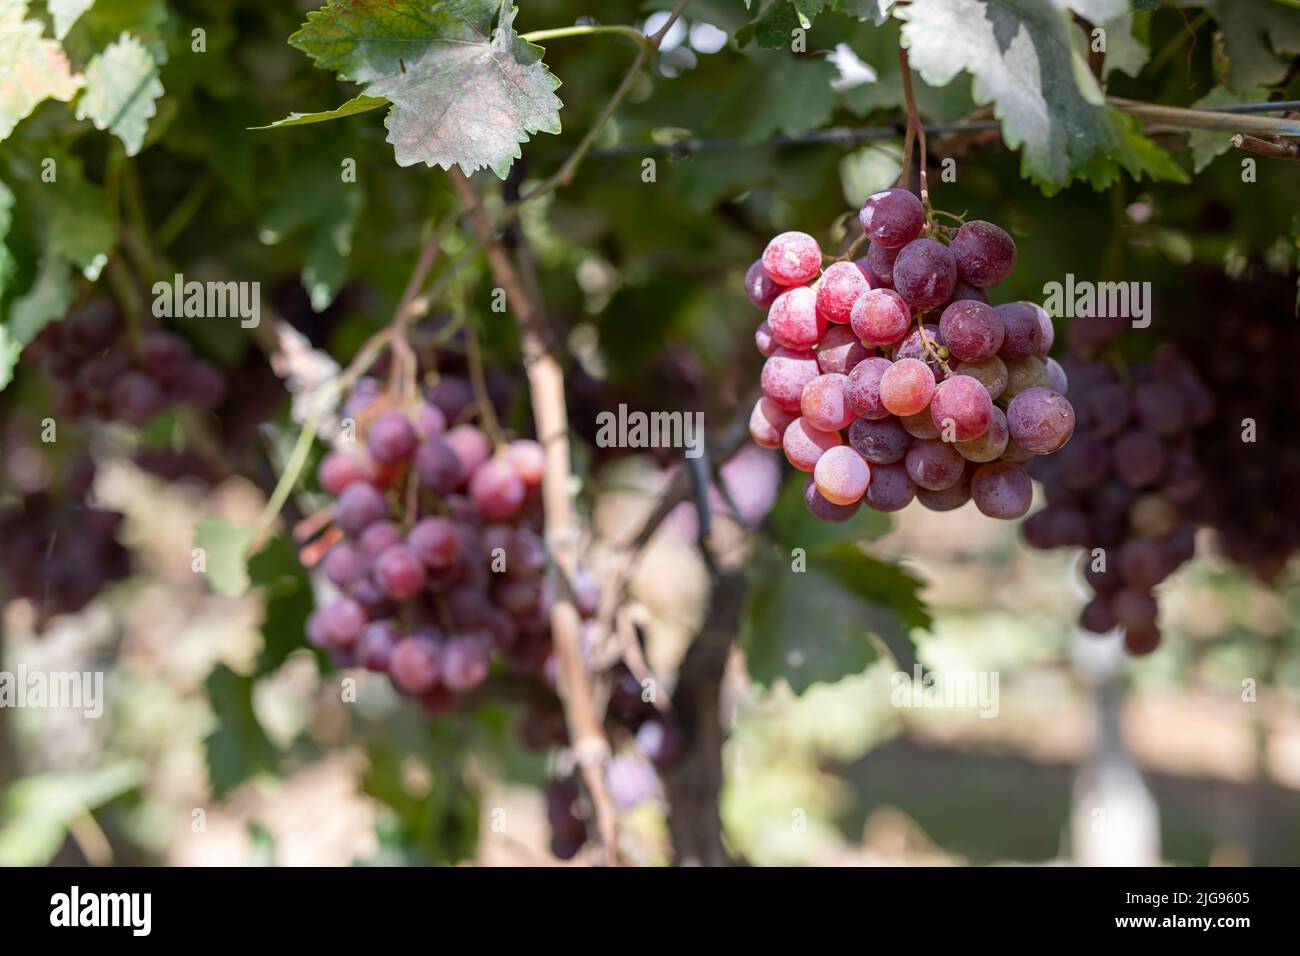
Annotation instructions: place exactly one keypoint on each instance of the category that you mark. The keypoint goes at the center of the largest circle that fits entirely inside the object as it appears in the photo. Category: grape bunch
(103, 372)
(893, 378)
(58, 552)
(438, 558)
(1126, 486)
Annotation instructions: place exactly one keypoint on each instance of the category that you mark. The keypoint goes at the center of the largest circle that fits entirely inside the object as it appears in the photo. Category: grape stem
(474, 358)
(914, 128)
(581, 30)
(546, 389)
(930, 350)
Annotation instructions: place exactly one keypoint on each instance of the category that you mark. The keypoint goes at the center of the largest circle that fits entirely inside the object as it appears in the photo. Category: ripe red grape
(471, 446)
(823, 509)
(841, 285)
(961, 408)
(925, 273)
(985, 254)
(785, 374)
(1001, 489)
(496, 489)
(972, 331)
(764, 340)
(804, 444)
(864, 388)
(879, 265)
(391, 438)
(880, 317)
(842, 475)
(341, 622)
(880, 442)
(465, 662)
(1040, 420)
(934, 465)
(415, 664)
(795, 320)
(358, 506)
(792, 258)
(760, 289)
(892, 218)
(437, 466)
(989, 445)
(768, 422)
(906, 387)
(1023, 334)
(840, 350)
(946, 499)
(890, 489)
(824, 404)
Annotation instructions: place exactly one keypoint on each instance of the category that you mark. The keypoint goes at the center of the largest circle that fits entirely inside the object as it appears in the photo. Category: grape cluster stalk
(892, 378)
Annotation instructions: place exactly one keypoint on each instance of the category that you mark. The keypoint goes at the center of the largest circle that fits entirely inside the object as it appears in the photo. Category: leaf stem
(579, 30)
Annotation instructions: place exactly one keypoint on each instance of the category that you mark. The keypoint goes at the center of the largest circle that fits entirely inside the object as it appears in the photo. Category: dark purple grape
(881, 442)
(891, 489)
(415, 665)
(1001, 489)
(759, 288)
(934, 465)
(824, 509)
(437, 466)
(985, 254)
(399, 572)
(1023, 334)
(137, 399)
(925, 274)
(391, 438)
(879, 263)
(435, 542)
(343, 565)
(359, 505)
(971, 330)
(1139, 458)
(892, 218)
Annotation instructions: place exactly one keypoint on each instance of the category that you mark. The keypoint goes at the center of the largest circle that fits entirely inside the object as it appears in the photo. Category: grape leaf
(226, 547)
(1257, 35)
(238, 747)
(1128, 44)
(288, 600)
(66, 13)
(32, 68)
(462, 93)
(358, 104)
(1207, 144)
(36, 811)
(122, 89)
(778, 93)
(48, 298)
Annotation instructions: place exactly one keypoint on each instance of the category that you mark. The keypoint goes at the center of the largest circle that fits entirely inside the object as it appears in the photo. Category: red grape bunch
(103, 371)
(1125, 487)
(437, 557)
(893, 378)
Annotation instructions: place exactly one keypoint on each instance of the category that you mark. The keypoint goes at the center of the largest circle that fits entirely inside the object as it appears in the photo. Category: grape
(1134, 607)
(880, 317)
(1143, 563)
(163, 357)
(972, 331)
(1083, 462)
(804, 444)
(892, 218)
(525, 554)
(914, 346)
(391, 438)
(945, 499)
(824, 509)
(437, 466)
(925, 273)
(964, 291)
(934, 465)
(841, 475)
(202, 385)
(342, 565)
(1001, 489)
(792, 258)
(906, 387)
(337, 471)
(961, 408)
(429, 420)
(795, 320)
(529, 460)
(1023, 334)
(1106, 409)
(378, 537)
(1097, 617)
(841, 285)
(496, 489)
(768, 422)
(661, 740)
(1024, 374)
(1159, 408)
(1139, 458)
(341, 622)
(764, 340)
(879, 263)
(760, 289)
(991, 444)
(840, 350)
(471, 447)
(785, 374)
(991, 373)
(880, 442)
(137, 399)
(920, 425)
(1057, 380)
(864, 388)
(416, 663)
(399, 572)
(985, 255)
(1141, 639)
(90, 327)
(890, 489)
(1048, 333)
(374, 649)
(824, 404)
(451, 395)
(465, 662)
(358, 506)
(1040, 420)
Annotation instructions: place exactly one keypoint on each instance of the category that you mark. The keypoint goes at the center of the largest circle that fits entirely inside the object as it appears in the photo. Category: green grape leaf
(797, 527)
(778, 93)
(122, 90)
(287, 600)
(877, 46)
(1259, 36)
(8, 267)
(66, 13)
(238, 747)
(1207, 144)
(1139, 155)
(358, 104)
(36, 811)
(225, 546)
(10, 349)
(49, 297)
(1128, 44)
(462, 92)
(32, 69)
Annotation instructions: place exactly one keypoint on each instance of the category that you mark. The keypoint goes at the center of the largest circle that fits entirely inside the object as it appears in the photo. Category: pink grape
(934, 465)
(804, 444)
(1023, 333)
(496, 489)
(985, 254)
(1001, 489)
(764, 340)
(842, 475)
(841, 285)
(414, 664)
(864, 388)
(437, 465)
(891, 489)
(880, 317)
(341, 622)
(794, 319)
(758, 287)
(337, 471)
(529, 459)
(430, 420)
(465, 662)
(892, 218)
(359, 505)
(879, 263)
(880, 442)
(374, 649)
(391, 438)
(1056, 378)
(785, 374)
(399, 572)
(906, 387)
(471, 447)
(945, 499)
(989, 445)
(991, 373)
(792, 258)
(825, 510)
(768, 422)
(825, 404)
(377, 537)
(1046, 329)
(925, 273)
(435, 542)
(965, 404)
(1040, 420)
(342, 565)
(840, 350)
(972, 331)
